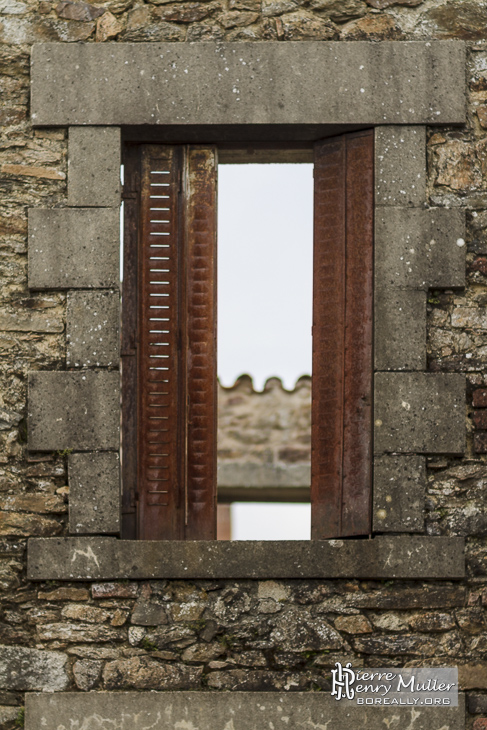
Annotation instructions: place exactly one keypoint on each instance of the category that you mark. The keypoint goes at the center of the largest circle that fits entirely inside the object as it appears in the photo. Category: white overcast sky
(265, 229)
(265, 262)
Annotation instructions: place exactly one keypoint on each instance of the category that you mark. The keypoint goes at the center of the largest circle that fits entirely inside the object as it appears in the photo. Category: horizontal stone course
(249, 83)
(77, 411)
(105, 558)
(221, 710)
(74, 248)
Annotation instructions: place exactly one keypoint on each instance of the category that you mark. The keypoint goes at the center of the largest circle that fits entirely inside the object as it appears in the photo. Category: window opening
(265, 282)
(342, 340)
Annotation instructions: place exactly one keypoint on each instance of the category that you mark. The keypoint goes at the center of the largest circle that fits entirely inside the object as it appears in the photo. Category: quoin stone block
(94, 166)
(400, 329)
(93, 329)
(420, 249)
(74, 248)
(77, 411)
(399, 493)
(94, 493)
(419, 412)
(400, 166)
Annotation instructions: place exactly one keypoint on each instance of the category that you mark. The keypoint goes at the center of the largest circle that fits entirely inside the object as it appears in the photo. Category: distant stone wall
(264, 437)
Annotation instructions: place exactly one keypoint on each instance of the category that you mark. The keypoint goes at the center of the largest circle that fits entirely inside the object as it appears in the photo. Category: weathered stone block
(94, 166)
(419, 412)
(419, 249)
(400, 166)
(94, 493)
(220, 710)
(78, 411)
(399, 329)
(92, 328)
(74, 249)
(404, 556)
(31, 669)
(302, 82)
(399, 491)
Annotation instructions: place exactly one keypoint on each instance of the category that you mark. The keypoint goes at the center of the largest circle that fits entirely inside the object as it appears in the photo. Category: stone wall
(232, 634)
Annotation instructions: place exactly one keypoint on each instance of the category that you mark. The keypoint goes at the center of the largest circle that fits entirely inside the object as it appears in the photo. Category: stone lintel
(399, 493)
(305, 82)
(94, 166)
(221, 710)
(102, 558)
(93, 328)
(419, 413)
(400, 166)
(74, 248)
(94, 493)
(420, 248)
(74, 410)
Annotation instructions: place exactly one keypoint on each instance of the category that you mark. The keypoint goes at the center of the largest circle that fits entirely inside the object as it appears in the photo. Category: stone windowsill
(103, 558)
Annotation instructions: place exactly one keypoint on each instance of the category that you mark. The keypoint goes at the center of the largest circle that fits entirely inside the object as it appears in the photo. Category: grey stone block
(74, 248)
(30, 669)
(420, 249)
(249, 83)
(399, 493)
(94, 493)
(94, 166)
(224, 710)
(79, 411)
(420, 412)
(399, 329)
(92, 328)
(104, 558)
(400, 166)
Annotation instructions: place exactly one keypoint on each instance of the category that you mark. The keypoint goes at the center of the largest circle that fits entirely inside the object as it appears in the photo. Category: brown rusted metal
(158, 433)
(328, 337)
(357, 427)
(199, 186)
(342, 337)
(176, 357)
(129, 343)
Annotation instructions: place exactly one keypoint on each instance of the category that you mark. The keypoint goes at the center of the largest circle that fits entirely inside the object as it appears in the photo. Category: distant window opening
(265, 285)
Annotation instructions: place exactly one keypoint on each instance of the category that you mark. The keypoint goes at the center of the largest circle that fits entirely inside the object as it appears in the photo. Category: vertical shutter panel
(129, 342)
(176, 344)
(357, 434)
(341, 433)
(200, 216)
(159, 382)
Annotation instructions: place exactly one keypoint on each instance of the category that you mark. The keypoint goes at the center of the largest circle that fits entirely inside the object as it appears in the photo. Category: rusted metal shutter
(341, 432)
(175, 344)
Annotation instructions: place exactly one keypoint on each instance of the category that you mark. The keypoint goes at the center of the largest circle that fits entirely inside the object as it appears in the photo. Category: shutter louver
(341, 434)
(176, 358)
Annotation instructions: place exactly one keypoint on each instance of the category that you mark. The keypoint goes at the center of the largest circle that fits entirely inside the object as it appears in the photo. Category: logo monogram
(342, 680)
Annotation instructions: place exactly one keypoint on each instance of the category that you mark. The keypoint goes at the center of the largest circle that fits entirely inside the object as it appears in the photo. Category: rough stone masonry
(216, 635)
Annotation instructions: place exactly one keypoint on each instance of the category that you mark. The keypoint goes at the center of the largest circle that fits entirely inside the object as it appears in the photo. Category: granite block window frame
(294, 93)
